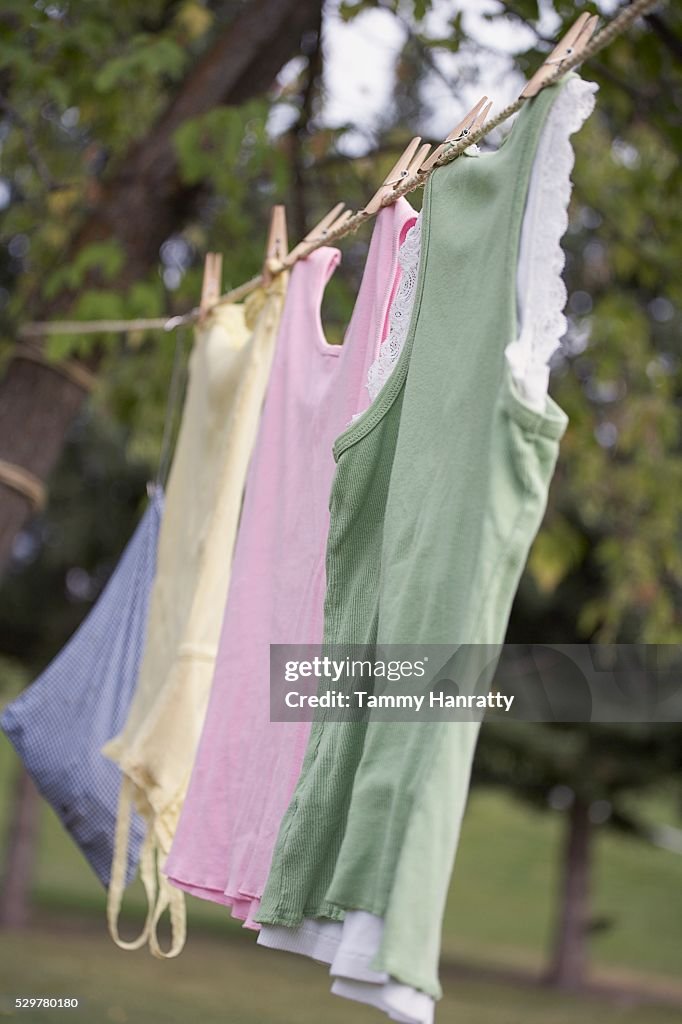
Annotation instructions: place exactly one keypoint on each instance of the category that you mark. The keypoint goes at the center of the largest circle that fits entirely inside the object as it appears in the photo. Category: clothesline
(617, 26)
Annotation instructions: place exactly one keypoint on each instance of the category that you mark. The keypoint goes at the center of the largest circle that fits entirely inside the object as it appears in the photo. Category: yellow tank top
(228, 373)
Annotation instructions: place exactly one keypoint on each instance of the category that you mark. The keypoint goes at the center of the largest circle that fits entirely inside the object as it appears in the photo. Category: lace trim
(541, 289)
(401, 311)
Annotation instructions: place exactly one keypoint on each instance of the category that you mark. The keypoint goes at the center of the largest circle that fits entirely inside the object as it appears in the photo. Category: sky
(359, 58)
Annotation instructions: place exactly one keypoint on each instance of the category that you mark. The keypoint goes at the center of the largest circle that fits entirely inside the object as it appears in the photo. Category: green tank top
(440, 488)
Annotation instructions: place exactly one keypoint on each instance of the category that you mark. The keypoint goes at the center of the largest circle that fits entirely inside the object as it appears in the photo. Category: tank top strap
(381, 272)
(309, 279)
(300, 330)
(369, 323)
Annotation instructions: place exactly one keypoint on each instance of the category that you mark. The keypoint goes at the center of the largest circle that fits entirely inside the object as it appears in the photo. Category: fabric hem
(413, 980)
(294, 919)
(551, 422)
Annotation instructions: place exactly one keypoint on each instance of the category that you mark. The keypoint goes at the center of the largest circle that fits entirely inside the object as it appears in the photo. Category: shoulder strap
(119, 868)
(173, 900)
(159, 893)
(309, 278)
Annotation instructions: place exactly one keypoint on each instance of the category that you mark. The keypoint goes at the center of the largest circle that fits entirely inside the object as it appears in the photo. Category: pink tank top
(247, 766)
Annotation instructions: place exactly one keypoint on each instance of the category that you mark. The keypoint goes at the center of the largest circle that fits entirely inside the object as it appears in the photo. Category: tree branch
(642, 106)
(300, 129)
(665, 34)
(32, 148)
(139, 206)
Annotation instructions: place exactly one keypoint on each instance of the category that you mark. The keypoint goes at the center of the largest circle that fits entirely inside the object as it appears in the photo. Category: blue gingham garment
(59, 724)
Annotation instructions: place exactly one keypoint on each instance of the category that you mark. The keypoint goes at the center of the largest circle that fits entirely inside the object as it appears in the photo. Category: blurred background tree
(593, 774)
(133, 144)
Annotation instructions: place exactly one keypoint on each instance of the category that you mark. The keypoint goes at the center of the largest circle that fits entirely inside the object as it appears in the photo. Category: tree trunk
(568, 969)
(140, 205)
(20, 857)
(36, 407)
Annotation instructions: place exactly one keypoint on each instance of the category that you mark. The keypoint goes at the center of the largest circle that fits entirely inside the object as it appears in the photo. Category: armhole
(541, 292)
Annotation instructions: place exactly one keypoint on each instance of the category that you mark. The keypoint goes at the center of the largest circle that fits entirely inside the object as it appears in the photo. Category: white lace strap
(541, 291)
(400, 314)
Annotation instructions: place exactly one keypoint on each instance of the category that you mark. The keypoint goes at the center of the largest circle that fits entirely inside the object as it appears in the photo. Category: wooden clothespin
(211, 283)
(574, 42)
(276, 247)
(407, 164)
(332, 220)
(470, 123)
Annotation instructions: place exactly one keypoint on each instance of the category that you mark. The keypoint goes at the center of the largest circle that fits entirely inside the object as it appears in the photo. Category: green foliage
(104, 257)
(603, 762)
(223, 145)
(144, 56)
(622, 465)
(559, 549)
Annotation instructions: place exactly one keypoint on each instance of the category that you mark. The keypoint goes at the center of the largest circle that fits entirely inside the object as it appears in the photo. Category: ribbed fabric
(247, 766)
(228, 373)
(439, 490)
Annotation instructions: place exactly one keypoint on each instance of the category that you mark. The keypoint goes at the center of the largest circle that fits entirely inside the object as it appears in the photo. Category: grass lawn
(499, 915)
(230, 981)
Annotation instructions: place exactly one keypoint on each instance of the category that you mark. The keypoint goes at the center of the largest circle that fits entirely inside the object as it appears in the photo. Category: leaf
(349, 10)
(558, 549)
(104, 257)
(148, 58)
(194, 19)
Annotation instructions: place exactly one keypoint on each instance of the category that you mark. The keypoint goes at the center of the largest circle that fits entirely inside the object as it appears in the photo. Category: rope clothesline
(25, 483)
(599, 41)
